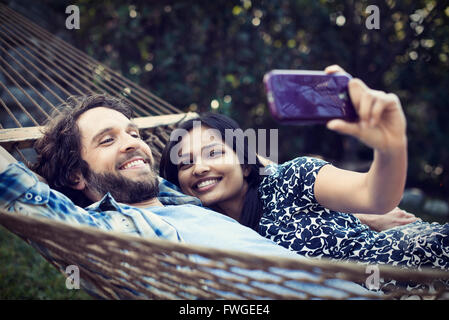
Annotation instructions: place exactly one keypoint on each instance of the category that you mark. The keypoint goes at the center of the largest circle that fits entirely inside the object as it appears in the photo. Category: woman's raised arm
(382, 126)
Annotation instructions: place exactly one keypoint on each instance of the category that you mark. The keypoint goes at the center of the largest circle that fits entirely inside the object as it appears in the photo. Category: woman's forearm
(386, 178)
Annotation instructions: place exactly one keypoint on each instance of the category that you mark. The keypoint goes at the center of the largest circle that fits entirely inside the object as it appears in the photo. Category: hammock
(38, 72)
(159, 269)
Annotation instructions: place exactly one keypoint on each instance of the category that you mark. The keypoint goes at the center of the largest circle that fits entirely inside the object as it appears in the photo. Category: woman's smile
(206, 184)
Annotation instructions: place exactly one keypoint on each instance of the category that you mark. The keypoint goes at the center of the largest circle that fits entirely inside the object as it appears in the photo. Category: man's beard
(123, 189)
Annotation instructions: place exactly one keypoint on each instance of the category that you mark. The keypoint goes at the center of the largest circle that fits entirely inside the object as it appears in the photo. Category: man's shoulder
(170, 194)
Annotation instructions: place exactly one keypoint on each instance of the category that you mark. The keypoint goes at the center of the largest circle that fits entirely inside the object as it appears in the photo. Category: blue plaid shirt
(22, 192)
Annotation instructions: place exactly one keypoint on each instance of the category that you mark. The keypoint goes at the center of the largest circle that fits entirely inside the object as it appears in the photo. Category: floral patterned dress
(294, 219)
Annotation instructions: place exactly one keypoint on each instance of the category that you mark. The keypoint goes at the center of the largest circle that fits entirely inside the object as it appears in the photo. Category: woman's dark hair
(252, 207)
(59, 149)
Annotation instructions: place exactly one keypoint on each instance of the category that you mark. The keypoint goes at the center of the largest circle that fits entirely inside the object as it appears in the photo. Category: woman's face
(213, 172)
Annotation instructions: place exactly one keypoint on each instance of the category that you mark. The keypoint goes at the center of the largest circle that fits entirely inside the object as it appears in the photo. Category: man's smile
(134, 163)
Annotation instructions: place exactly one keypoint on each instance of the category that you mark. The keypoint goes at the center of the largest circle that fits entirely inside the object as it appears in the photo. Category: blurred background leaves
(212, 55)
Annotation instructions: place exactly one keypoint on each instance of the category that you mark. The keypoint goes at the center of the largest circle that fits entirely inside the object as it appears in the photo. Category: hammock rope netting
(38, 72)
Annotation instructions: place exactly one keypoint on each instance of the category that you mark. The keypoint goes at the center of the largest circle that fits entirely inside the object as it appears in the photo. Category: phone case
(308, 97)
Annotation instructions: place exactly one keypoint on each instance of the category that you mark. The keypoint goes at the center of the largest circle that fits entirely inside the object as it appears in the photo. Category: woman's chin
(207, 201)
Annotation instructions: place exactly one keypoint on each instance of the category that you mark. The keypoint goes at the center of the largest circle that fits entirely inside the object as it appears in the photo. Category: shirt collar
(170, 194)
(107, 203)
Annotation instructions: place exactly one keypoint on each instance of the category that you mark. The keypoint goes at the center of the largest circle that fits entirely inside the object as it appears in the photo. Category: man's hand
(5, 159)
(381, 125)
(381, 222)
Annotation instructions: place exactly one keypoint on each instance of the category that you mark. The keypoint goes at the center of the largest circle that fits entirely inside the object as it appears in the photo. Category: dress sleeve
(306, 169)
(290, 186)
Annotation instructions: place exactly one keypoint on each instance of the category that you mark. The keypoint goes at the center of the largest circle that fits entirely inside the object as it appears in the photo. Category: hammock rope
(80, 73)
(58, 45)
(65, 67)
(159, 269)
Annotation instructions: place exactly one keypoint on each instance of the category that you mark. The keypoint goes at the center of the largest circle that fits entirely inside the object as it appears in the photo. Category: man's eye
(215, 153)
(135, 135)
(105, 141)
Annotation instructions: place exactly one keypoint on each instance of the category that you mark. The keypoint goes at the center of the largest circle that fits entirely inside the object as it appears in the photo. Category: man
(93, 152)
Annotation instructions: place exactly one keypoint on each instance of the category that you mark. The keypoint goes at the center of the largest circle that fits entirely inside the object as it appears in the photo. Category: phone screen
(308, 96)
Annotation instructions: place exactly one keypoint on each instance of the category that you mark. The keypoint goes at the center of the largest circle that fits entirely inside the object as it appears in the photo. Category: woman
(300, 204)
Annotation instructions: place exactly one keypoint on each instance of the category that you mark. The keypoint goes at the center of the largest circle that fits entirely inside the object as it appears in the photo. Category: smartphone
(308, 97)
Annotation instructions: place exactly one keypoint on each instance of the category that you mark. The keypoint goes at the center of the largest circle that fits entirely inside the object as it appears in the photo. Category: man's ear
(246, 171)
(79, 181)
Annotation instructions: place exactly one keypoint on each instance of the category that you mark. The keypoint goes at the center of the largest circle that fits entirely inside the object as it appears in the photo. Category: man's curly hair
(59, 149)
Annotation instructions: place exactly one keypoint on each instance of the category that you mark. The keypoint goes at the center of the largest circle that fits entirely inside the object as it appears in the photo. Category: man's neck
(154, 202)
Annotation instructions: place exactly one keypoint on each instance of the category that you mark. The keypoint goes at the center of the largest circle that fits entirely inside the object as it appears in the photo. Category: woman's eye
(184, 166)
(185, 163)
(135, 135)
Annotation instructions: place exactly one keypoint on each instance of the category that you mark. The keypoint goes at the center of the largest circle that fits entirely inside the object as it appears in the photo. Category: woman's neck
(233, 207)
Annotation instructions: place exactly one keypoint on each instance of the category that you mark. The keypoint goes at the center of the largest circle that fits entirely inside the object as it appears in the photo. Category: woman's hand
(381, 222)
(381, 125)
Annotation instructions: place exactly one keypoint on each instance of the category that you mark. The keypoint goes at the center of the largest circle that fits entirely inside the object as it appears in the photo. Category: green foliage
(192, 53)
(24, 274)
